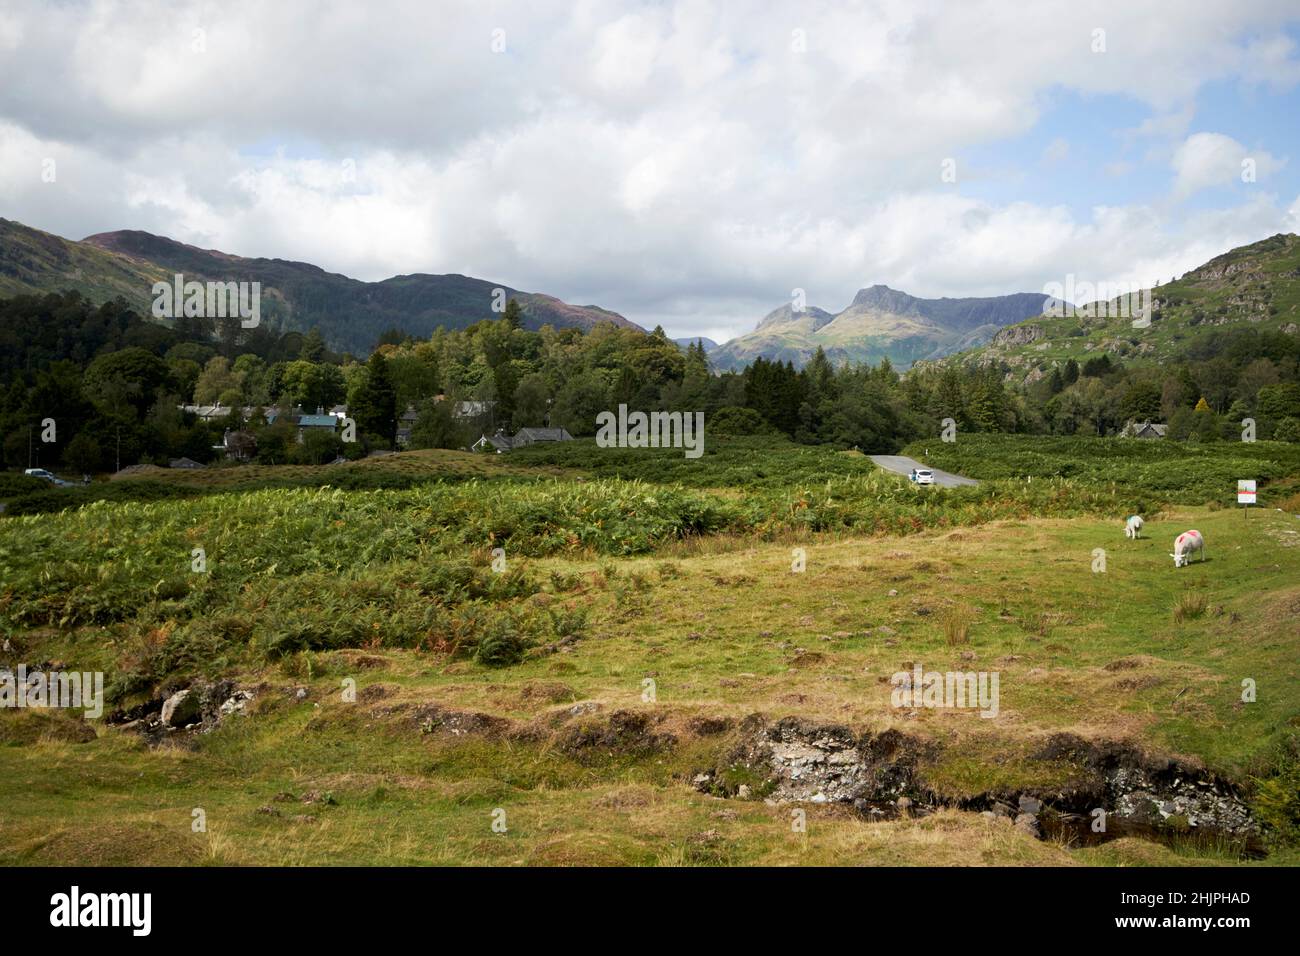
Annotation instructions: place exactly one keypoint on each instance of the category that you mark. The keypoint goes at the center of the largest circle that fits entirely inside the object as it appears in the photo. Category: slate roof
(317, 421)
(543, 434)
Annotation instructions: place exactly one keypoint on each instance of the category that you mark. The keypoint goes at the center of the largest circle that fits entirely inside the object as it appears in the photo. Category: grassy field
(21, 495)
(521, 698)
(1147, 472)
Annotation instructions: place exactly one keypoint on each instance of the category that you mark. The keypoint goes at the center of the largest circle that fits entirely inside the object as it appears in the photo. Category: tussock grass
(1190, 606)
(956, 625)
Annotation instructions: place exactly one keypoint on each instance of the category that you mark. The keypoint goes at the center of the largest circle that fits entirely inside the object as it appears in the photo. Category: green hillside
(1255, 286)
(296, 296)
(35, 261)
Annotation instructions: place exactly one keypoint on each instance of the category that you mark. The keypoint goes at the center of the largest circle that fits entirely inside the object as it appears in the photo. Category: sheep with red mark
(1185, 544)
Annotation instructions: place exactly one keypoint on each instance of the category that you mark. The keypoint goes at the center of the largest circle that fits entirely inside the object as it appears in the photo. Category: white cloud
(1292, 223)
(1212, 159)
(679, 163)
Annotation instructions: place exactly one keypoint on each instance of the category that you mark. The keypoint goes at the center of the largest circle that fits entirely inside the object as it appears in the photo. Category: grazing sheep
(1133, 527)
(1185, 544)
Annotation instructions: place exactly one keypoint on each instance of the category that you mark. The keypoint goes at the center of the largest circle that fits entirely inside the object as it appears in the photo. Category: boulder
(182, 709)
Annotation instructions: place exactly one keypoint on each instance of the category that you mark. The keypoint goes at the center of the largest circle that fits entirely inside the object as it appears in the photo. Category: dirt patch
(627, 798)
(436, 719)
(802, 658)
(622, 733)
(361, 661)
(709, 726)
(138, 471)
(375, 692)
(550, 692)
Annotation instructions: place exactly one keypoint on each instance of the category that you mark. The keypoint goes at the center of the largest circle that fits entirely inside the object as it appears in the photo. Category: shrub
(568, 621)
(562, 581)
(12, 485)
(502, 644)
(735, 420)
(1288, 430)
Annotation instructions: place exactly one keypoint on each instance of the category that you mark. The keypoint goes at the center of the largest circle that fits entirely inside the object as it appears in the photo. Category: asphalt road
(903, 466)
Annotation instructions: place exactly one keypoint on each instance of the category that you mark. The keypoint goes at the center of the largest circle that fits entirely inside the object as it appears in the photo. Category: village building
(1144, 430)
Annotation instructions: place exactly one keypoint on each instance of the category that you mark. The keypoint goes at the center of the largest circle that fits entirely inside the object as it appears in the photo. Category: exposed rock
(1018, 335)
(1029, 824)
(198, 708)
(181, 709)
(1151, 790)
(1152, 797)
(802, 762)
(235, 703)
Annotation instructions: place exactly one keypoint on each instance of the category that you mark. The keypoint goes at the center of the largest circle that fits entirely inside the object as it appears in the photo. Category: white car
(47, 476)
(922, 476)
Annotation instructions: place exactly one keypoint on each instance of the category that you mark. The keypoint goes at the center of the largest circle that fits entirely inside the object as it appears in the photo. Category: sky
(685, 164)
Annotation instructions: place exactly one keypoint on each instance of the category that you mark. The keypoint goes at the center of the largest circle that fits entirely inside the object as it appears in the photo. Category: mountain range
(879, 323)
(350, 314)
(1256, 285)
(709, 344)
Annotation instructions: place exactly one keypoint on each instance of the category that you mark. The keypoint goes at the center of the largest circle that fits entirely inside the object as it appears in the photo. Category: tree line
(113, 382)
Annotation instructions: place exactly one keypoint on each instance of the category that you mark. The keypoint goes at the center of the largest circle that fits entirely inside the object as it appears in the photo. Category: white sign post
(1245, 495)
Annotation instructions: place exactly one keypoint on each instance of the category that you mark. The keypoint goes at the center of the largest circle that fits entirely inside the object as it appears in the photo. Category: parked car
(922, 476)
(48, 476)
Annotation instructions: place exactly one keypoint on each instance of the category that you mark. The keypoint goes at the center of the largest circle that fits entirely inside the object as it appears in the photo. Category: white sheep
(1185, 544)
(1133, 527)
